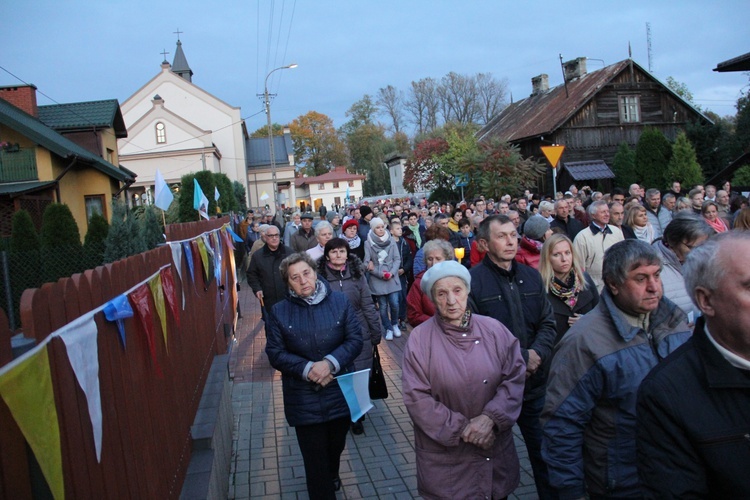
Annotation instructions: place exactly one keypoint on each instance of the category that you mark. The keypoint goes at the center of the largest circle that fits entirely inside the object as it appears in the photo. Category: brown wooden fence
(146, 417)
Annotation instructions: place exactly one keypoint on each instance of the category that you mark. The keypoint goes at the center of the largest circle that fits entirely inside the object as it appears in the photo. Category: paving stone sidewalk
(266, 462)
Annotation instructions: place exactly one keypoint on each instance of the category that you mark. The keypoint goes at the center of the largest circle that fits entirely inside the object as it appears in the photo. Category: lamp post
(270, 135)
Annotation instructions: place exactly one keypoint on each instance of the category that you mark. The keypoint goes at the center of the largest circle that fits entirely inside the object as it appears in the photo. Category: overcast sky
(89, 50)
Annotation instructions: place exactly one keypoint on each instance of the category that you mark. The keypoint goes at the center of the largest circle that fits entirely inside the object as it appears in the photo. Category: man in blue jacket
(589, 414)
(514, 294)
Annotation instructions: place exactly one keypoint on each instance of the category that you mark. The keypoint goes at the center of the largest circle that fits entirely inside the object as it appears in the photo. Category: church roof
(180, 65)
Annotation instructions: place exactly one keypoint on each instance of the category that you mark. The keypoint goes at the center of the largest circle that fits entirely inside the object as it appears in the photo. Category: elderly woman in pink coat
(463, 378)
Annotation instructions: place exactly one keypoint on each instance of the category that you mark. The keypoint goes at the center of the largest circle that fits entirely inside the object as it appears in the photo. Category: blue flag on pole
(162, 194)
(200, 201)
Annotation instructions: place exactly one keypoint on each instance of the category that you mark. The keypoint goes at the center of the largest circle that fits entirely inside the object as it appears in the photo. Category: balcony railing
(17, 166)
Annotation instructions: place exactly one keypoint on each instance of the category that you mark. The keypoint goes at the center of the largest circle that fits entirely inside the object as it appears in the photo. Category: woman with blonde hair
(742, 220)
(710, 212)
(636, 219)
(570, 290)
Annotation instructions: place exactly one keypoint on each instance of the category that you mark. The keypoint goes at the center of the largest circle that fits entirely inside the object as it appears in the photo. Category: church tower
(180, 65)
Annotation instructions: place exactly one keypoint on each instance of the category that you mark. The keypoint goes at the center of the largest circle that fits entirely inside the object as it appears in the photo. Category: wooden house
(591, 114)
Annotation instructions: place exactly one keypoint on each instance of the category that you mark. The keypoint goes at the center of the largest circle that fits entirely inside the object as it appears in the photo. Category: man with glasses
(263, 273)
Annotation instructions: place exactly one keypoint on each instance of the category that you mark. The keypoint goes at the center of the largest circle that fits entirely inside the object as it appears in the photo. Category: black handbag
(378, 389)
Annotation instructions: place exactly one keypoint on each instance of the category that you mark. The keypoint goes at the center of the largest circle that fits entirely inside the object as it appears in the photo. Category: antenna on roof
(648, 45)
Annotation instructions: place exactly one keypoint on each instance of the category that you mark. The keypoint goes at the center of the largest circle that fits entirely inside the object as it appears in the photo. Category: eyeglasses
(274, 235)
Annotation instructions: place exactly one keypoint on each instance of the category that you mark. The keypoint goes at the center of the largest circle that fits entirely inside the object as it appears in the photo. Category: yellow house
(73, 163)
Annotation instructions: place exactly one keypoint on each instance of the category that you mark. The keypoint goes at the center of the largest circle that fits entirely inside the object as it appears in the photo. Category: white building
(179, 128)
(329, 189)
(395, 164)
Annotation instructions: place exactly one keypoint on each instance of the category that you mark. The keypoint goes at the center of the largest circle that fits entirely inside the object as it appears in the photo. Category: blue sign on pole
(462, 180)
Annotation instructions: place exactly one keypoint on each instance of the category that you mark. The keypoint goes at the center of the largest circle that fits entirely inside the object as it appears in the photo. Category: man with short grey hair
(658, 216)
(589, 413)
(592, 242)
(693, 409)
(564, 222)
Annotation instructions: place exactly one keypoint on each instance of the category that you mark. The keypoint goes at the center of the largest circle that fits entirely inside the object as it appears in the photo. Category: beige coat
(590, 248)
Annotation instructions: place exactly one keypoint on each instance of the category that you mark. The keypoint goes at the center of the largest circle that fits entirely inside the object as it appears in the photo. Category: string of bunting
(26, 382)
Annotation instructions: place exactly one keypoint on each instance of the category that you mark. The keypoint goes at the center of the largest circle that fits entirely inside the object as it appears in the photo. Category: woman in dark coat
(313, 335)
(570, 290)
(344, 272)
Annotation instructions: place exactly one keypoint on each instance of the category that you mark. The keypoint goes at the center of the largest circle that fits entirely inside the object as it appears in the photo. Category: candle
(459, 253)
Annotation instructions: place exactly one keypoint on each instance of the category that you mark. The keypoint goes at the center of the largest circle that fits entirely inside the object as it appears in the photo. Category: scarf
(568, 290)
(379, 241)
(645, 233)
(353, 242)
(316, 297)
(718, 224)
(415, 234)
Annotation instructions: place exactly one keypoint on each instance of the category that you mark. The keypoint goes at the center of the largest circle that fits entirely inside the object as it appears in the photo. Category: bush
(683, 166)
(24, 237)
(123, 239)
(652, 155)
(741, 177)
(624, 166)
(150, 229)
(59, 227)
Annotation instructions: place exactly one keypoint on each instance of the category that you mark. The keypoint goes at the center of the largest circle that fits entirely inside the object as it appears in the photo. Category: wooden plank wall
(146, 415)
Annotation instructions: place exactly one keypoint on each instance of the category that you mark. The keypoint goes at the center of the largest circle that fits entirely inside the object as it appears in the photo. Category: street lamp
(270, 136)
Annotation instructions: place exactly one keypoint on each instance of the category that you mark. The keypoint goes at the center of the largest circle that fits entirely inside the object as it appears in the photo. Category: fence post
(8, 292)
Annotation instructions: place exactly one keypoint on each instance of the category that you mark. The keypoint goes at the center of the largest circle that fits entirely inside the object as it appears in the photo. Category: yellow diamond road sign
(553, 154)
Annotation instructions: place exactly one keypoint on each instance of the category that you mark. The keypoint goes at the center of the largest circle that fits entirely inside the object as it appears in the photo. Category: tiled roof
(336, 175)
(584, 170)
(43, 135)
(24, 187)
(84, 115)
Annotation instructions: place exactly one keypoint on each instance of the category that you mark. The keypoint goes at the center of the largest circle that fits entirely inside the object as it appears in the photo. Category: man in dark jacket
(514, 294)
(263, 274)
(694, 408)
(304, 239)
(589, 413)
(563, 222)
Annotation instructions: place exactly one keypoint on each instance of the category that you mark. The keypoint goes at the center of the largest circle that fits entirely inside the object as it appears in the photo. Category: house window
(351, 184)
(337, 200)
(110, 155)
(161, 133)
(321, 187)
(94, 205)
(630, 109)
(335, 185)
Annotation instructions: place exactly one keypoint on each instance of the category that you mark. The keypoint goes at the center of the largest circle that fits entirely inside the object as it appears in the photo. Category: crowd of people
(544, 312)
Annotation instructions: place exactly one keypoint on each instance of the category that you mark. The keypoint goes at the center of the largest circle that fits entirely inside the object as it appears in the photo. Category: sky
(90, 50)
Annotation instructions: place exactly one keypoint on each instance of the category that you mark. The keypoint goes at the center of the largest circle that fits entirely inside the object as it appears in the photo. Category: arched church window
(161, 133)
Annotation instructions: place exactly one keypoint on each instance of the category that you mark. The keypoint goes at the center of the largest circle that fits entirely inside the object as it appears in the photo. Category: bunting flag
(200, 201)
(177, 260)
(139, 299)
(80, 343)
(118, 309)
(355, 387)
(170, 293)
(215, 250)
(27, 390)
(203, 252)
(158, 294)
(188, 251)
(162, 194)
(236, 237)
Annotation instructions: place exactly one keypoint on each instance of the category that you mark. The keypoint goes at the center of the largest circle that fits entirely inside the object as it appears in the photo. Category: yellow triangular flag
(27, 390)
(158, 293)
(204, 257)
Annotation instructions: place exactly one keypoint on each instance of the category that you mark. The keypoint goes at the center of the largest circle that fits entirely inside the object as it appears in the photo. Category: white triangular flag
(355, 387)
(83, 354)
(177, 259)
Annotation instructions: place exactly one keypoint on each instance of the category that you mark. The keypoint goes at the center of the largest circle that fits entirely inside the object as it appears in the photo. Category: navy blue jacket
(694, 425)
(298, 333)
(518, 300)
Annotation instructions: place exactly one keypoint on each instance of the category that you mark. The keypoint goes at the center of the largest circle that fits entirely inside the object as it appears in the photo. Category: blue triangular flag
(117, 310)
(189, 257)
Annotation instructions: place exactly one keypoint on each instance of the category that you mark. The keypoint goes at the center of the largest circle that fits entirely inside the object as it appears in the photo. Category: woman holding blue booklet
(313, 335)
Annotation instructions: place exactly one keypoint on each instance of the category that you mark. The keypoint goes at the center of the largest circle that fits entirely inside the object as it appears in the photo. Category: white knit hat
(442, 270)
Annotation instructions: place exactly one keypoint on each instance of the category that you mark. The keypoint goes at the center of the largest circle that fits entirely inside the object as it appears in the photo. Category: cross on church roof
(164, 53)
(178, 32)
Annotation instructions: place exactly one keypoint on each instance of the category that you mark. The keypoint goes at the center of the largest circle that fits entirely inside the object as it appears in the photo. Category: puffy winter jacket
(298, 333)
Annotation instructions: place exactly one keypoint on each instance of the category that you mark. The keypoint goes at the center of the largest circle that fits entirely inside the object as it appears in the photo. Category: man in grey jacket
(658, 216)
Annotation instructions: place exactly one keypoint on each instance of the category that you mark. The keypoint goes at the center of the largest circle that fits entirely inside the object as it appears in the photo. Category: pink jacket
(451, 375)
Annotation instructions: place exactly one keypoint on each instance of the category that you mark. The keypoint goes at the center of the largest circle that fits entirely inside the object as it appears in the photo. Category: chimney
(539, 84)
(22, 97)
(574, 68)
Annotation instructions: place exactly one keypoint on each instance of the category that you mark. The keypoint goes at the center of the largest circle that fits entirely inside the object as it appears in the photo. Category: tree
(151, 231)
(390, 101)
(123, 238)
(652, 154)
(23, 236)
(227, 201)
(681, 90)
(316, 143)
(206, 182)
(741, 177)
(422, 171)
(239, 194)
(503, 170)
(624, 165)
(59, 228)
(459, 99)
(492, 95)
(683, 165)
(423, 105)
(715, 143)
(95, 242)
(742, 121)
(367, 145)
(262, 132)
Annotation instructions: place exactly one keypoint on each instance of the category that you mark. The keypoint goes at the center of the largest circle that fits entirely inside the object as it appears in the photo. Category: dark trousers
(321, 446)
(531, 429)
